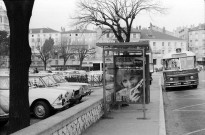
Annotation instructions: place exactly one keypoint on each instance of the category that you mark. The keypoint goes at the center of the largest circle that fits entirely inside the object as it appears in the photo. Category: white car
(42, 100)
(43, 80)
(4, 117)
(85, 88)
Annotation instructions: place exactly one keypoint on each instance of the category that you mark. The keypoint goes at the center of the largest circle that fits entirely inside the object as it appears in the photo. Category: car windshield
(36, 82)
(179, 63)
(4, 83)
(59, 79)
(49, 81)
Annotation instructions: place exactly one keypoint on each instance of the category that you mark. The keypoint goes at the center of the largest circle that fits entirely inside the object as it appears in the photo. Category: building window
(154, 61)
(56, 62)
(32, 40)
(134, 35)
(76, 34)
(162, 51)
(162, 43)
(32, 35)
(169, 43)
(107, 35)
(154, 44)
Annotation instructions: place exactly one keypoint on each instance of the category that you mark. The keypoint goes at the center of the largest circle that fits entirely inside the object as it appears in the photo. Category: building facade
(197, 42)
(161, 44)
(37, 38)
(160, 40)
(77, 38)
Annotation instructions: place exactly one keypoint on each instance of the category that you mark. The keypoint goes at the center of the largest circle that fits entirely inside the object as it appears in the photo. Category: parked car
(85, 88)
(4, 116)
(42, 102)
(43, 80)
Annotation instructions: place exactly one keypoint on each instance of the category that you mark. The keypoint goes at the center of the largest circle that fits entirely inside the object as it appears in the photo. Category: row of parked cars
(47, 93)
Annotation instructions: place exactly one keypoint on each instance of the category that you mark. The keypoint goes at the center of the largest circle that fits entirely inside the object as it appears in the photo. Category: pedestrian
(35, 70)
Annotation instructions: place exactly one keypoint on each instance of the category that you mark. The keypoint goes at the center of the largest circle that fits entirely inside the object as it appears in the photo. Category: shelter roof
(126, 45)
(169, 55)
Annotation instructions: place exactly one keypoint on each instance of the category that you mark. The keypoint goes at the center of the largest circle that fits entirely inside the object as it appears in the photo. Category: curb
(162, 129)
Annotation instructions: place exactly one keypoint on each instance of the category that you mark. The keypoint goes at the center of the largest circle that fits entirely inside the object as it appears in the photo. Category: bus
(179, 69)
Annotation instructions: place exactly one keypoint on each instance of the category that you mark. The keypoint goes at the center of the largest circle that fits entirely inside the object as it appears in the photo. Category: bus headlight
(192, 77)
(171, 79)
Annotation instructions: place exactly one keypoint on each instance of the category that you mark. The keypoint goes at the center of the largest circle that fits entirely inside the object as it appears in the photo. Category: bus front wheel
(195, 86)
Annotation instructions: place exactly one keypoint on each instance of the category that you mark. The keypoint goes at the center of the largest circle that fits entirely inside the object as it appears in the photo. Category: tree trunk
(45, 63)
(19, 13)
(80, 66)
(64, 63)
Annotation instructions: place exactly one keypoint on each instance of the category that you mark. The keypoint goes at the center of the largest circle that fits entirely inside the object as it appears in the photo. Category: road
(185, 109)
(97, 91)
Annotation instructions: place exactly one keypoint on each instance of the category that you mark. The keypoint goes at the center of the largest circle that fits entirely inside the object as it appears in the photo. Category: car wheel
(41, 110)
(195, 86)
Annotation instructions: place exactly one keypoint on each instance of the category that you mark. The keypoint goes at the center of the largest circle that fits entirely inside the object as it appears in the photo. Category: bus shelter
(130, 64)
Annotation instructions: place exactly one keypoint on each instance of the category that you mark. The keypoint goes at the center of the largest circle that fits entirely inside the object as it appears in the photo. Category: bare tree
(19, 13)
(45, 51)
(66, 51)
(117, 15)
(82, 52)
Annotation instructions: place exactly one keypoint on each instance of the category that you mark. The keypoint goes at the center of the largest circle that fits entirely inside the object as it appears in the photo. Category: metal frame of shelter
(122, 49)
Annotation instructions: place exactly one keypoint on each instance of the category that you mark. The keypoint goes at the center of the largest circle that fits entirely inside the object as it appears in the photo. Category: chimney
(150, 26)
(163, 30)
(136, 27)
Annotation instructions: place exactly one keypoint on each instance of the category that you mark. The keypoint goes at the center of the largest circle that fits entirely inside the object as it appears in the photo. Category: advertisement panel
(128, 78)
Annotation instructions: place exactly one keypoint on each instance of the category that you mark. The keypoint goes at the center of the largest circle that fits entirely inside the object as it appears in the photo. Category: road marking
(190, 95)
(192, 98)
(196, 131)
(189, 110)
(162, 128)
(188, 106)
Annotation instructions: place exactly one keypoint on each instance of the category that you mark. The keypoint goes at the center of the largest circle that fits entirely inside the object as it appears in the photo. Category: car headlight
(60, 97)
(171, 79)
(192, 77)
(66, 95)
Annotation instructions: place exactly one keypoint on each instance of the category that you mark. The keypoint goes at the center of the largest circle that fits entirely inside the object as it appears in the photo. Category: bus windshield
(179, 63)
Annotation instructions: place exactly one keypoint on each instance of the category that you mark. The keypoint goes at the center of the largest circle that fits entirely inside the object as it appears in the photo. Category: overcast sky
(56, 13)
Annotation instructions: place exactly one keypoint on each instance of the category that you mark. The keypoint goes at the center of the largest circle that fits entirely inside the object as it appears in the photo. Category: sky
(56, 14)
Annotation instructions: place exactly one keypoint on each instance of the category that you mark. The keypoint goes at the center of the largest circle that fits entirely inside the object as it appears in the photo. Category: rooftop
(80, 31)
(43, 30)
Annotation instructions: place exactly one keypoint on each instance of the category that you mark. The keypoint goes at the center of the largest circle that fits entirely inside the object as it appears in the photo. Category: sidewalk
(128, 120)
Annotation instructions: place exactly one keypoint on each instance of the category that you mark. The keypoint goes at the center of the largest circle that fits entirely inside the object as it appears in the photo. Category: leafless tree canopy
(114, 14)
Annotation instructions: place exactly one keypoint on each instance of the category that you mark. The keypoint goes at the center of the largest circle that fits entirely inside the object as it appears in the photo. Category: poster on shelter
(128, 79)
